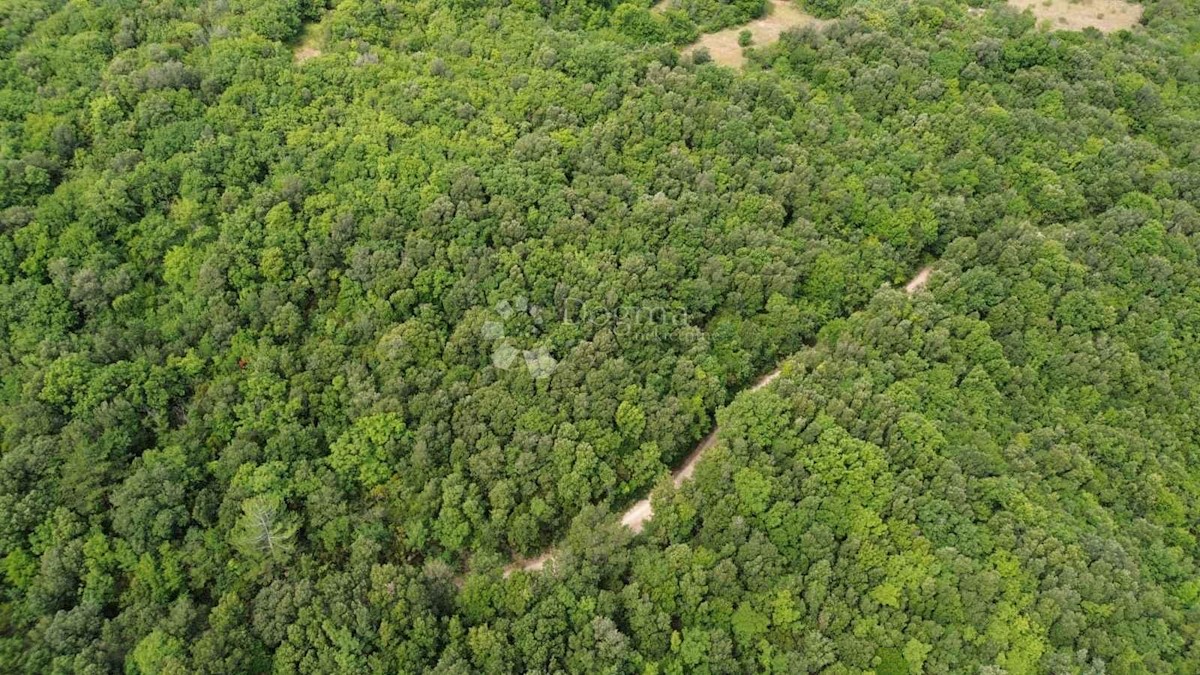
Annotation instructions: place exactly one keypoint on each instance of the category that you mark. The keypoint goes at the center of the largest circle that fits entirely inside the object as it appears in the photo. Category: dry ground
(918, 282)
(780, 16)
(1103, 15)
(305, 52)
(309, 46)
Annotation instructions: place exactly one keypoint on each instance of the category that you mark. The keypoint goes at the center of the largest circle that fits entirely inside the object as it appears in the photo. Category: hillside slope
(1003, 471)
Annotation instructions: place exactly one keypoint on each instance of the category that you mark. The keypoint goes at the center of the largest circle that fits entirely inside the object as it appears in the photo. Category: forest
(315, 315)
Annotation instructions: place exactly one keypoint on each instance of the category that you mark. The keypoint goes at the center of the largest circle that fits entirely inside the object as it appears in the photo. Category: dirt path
(635, 517)
(918, 282)
(781, 15)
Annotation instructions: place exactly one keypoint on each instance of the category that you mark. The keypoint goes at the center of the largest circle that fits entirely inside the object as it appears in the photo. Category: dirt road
(636, 516)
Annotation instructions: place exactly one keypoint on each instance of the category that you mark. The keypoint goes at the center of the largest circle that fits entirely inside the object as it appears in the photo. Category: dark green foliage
(712, 15)
(947, 480)
(825, 9)
(295, 356)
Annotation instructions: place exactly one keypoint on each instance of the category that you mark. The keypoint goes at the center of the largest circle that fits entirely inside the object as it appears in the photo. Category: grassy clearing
(1103, 15)
(310, 43)
(780, 16)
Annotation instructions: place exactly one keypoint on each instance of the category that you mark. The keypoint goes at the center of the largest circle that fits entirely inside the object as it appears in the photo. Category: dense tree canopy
(1002, 471)
(296, 354)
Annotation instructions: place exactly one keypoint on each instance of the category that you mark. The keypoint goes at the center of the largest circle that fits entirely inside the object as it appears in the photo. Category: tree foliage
(296, 355)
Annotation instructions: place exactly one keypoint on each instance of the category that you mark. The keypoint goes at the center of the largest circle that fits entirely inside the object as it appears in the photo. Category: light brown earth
(918, 282)
(309, 46)
(780, 16)
(303, 54)
(635, 517)
(1103, 15)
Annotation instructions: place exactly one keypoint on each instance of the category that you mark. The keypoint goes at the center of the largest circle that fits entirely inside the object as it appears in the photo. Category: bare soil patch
(529, 564)
(918, 282)
(781, 15)
(1103, 15)
(303, 54)
(309, 46)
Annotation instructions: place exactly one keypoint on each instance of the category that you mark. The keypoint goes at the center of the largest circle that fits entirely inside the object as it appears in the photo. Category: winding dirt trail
(635, 516)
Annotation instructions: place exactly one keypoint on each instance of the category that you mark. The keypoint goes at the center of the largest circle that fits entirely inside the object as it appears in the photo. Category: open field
(1103, 15)
(781, 15)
